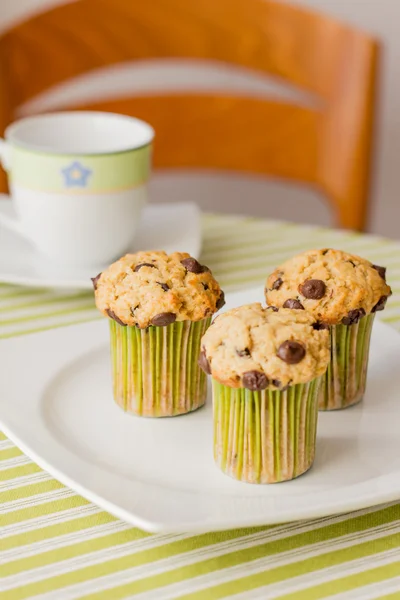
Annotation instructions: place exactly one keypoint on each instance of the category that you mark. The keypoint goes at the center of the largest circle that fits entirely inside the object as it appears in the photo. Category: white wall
(250, 195)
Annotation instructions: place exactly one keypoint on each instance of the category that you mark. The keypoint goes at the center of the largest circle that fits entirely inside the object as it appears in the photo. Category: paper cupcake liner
(268, 436)
(155, 371)
(345, 378)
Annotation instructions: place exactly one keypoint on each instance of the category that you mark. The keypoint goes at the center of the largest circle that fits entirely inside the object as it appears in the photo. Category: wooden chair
(328, 148)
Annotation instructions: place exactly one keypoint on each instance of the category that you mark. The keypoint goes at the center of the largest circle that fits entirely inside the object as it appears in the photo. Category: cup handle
(7, 215)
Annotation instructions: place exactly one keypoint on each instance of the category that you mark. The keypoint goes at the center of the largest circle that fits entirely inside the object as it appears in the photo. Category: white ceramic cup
(78, 182)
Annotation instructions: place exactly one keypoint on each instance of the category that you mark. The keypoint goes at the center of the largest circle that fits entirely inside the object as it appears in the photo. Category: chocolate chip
(255, 381)
(192, 265)
(380, 305)
(381, 271)
(277, 284)
(112, 315)
(319, 325)
(140, 265)
(313, 289)
(293, 303)
(278, 385)
(95, 280)
(203, 362)
(163, 319)
(245, 352)
(273, 308)
(164, 286)
(291, 352)
(205, 286)
(324, 251)
(354, 316)
(133, 308)
(220, 301)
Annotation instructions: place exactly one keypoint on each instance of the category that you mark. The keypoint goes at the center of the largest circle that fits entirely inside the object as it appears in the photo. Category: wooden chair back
(327, 147)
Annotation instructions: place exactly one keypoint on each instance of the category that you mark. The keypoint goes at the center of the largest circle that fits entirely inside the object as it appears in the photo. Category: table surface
(57, 545)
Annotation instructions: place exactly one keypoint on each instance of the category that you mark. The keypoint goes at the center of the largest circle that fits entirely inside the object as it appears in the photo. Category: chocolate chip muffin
(158, 306)
(266, 366)
(342, 292)
(154, 288)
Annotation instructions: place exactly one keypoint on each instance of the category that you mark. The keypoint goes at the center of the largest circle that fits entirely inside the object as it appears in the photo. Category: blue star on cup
(76, 175)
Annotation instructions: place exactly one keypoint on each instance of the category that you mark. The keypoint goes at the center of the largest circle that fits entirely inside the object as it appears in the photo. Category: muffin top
(335, 287)
(154, 288)
(255, 348)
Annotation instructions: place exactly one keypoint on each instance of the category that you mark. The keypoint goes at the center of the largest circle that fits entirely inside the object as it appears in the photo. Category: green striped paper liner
(267, 436)
(345, 379)
(155, 371)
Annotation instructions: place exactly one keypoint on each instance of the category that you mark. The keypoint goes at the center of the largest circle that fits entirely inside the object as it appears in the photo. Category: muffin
(266, 366)
(342, 292)
(158, 306)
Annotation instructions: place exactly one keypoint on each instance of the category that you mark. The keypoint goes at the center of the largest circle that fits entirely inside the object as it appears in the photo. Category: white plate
(174, 227)
(159, 474)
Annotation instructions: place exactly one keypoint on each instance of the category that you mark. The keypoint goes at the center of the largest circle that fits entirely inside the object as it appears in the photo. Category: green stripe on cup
(105, 173)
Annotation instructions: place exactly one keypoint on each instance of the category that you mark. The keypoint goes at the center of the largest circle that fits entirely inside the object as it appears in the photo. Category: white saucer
(159, 474)
(169, 227)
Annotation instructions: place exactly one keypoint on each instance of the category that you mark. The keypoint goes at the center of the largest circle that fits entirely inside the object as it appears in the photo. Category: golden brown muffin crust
(334, 286)
(256, 347)
(154, 288)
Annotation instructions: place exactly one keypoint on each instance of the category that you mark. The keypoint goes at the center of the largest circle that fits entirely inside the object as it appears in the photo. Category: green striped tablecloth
(56, 545)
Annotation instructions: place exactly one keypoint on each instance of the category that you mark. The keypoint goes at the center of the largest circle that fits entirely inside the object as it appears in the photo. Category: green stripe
(287, 572)
(20, 471)
(32, 489)
(390, 319)
(43, 559)
(259, 259)
(40, 510)
(392, 304)
(46, 532)
(18, 292)
(346, 584)
(43, 301)
(8, 453)
(218, 246)
(48, 315)
(393, 596)
(12, 334)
